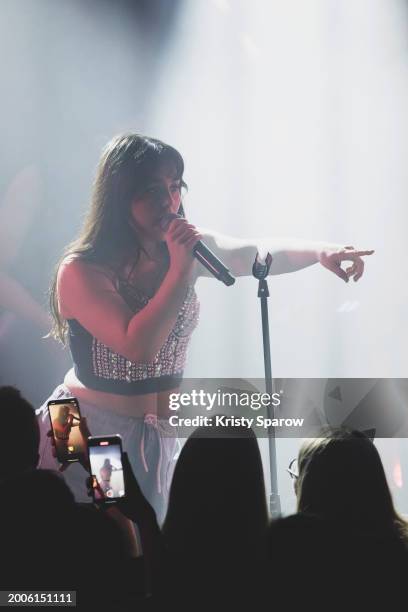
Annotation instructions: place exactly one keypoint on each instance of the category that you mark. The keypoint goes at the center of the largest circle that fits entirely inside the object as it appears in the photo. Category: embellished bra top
(99, 367)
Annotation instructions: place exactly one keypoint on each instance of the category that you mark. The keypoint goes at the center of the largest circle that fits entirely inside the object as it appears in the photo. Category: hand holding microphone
(181, 233)
(180, 237)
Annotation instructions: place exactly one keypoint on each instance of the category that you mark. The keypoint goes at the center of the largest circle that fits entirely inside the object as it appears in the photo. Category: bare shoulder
(77, 280)
(75, 269)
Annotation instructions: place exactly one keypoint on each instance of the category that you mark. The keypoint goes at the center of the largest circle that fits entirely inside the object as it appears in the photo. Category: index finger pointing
(353, 254)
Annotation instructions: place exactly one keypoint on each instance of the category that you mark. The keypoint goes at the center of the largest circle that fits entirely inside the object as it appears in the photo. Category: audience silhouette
(345, 546)
(20, 442)
(347, 538)
(215, 527)
(48, 541)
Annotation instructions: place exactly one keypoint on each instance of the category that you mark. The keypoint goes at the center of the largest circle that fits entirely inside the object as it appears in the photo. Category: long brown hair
(107, 237)
(341, 477)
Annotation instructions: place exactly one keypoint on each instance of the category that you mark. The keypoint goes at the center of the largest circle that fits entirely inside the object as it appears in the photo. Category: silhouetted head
(217, 496)
(20, 434)
(341, 477)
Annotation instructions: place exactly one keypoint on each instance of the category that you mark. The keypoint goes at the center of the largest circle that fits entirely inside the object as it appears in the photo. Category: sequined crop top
(99, 367)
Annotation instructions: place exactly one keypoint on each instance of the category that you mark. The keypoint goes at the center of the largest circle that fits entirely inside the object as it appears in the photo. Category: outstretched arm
(289, 255)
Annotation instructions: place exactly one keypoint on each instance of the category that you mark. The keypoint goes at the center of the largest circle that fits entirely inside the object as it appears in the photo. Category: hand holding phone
(135, 506)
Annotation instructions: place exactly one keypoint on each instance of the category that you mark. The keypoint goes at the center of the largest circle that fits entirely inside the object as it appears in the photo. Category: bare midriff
(136, 406)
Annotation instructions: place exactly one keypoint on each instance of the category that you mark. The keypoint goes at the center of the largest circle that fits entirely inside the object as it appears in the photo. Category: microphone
(204, 255)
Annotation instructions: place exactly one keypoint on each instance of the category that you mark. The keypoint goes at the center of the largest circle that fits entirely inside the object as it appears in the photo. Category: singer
(123, 298)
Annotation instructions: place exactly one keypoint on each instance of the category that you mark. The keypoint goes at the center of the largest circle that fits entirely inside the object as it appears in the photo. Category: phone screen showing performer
(65, 418)
(105, 459)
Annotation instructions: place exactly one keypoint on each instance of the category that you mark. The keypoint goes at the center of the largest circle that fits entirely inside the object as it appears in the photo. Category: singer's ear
(181, 211)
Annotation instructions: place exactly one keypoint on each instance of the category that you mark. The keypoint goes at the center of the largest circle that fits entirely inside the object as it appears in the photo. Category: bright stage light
(292, 120)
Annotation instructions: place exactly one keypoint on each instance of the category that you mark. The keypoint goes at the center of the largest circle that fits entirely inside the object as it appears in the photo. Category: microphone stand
(260, 271)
